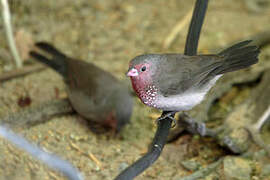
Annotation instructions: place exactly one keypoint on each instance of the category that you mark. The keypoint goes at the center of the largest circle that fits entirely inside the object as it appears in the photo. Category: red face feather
(140, 75)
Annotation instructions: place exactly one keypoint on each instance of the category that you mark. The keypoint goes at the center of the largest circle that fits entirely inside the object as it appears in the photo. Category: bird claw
(167, 115)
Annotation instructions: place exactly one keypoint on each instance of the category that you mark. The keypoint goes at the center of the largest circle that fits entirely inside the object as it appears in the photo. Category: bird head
(141, 69)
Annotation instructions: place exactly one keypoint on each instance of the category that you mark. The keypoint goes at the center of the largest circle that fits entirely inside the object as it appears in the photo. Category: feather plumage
(182, 81)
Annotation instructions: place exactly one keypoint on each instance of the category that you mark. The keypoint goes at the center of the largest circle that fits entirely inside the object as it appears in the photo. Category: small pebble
(266, 170)
(236, 168)
(122, 166)
(191, 165)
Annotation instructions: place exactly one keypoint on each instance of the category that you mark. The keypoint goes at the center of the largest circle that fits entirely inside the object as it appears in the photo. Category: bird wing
(180, 73)
(92, 82)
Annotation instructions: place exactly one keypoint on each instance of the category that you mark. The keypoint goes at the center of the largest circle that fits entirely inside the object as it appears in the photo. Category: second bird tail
(51, 57)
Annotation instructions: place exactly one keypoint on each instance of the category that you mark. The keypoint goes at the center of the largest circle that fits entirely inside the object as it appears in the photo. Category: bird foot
(168, 115)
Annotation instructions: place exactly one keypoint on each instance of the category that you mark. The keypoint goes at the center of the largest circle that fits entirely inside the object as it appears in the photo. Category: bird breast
(148, 94)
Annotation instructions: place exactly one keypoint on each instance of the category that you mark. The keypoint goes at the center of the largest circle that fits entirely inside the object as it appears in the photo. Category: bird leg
(168, 114)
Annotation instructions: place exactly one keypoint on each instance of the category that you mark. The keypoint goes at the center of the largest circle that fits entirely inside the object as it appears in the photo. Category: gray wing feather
(183, 72)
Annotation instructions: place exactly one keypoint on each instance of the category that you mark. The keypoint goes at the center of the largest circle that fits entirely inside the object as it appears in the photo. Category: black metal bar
(148, 159)
(195, 27)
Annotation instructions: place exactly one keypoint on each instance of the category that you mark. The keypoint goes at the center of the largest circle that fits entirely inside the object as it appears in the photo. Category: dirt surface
(109, 34)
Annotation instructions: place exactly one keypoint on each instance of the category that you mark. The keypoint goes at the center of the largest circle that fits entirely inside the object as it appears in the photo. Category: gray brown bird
(176, 82)
(94, 93)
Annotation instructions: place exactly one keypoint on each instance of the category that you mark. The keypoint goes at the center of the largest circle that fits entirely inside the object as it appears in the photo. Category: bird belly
(182, 102)
(185, 101)
(83, 104)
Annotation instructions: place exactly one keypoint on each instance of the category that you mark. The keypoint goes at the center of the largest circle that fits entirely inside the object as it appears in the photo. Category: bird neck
(138, 85)
(142, 87)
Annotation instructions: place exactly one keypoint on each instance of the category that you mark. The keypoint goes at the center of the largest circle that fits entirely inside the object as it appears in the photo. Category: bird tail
(51, 57)
(237, 57)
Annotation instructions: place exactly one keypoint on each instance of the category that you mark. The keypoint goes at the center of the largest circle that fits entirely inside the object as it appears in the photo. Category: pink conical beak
(132, 72)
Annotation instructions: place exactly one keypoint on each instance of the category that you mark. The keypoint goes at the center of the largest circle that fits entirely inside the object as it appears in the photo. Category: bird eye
(143, 68)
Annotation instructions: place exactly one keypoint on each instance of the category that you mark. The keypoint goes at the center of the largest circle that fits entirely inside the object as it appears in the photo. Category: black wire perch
(195, 27)
(164, 125)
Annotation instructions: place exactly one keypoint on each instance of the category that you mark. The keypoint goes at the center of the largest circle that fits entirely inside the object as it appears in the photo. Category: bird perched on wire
(94, 93)
(176, 82)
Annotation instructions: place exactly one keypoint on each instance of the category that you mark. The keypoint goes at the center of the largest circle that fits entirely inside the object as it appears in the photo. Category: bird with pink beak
(176, 82)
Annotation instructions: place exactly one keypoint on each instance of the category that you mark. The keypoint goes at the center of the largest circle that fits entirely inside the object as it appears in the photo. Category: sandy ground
(109, 34)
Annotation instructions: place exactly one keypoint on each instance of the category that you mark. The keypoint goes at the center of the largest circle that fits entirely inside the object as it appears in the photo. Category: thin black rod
(195, 27)
(164, 126)
(148, 159)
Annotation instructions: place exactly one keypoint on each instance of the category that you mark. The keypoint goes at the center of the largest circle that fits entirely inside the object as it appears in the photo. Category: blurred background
(109, 34)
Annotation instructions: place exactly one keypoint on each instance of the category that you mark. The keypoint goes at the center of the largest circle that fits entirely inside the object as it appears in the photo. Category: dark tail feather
(237, 57)
(50, 49)
(53, 58)
(235, 46)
